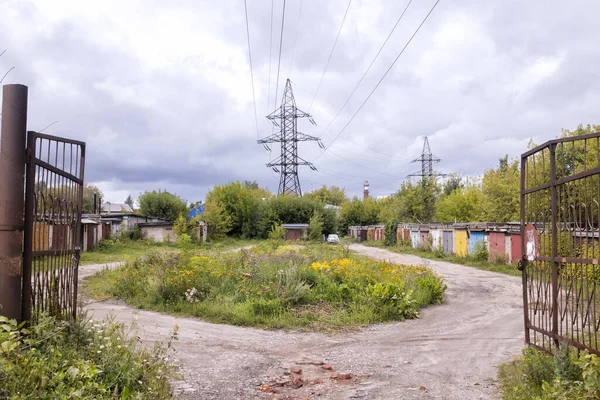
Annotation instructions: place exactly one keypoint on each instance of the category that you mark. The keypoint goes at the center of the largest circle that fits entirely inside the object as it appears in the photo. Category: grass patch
(536, 375)
(82, 359)
(114, 250)
(315, 286)
(468, 260)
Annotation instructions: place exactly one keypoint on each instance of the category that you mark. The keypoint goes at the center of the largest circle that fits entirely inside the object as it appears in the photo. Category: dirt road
(451, 352)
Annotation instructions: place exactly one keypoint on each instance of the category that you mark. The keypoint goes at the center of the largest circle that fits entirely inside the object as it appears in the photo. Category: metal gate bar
(52, 236)
(560, 233)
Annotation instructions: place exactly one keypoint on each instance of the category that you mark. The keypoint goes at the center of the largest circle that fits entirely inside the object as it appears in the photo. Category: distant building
(116, 208)
(295, 231)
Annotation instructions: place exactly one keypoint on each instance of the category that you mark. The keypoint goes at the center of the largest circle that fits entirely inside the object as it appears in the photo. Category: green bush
(481, 251)
(82, 359)
(536, 375)
(390, 233)
(277, 232)
(315, 228)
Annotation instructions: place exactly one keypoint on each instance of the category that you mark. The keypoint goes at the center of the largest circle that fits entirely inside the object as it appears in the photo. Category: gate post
(12, 171)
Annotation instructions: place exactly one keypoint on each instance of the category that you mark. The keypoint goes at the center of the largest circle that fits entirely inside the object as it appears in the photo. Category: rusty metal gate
(52, 232)
(560, 194)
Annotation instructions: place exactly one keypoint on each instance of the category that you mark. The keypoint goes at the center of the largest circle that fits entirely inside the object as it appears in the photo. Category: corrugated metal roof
(116, 208)
(294, 226)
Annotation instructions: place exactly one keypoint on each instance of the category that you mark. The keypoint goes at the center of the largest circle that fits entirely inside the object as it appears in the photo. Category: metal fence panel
(560, 194)
(52, 236)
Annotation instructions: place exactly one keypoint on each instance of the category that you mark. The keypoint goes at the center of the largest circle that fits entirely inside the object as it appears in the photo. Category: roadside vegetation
(273, 286)
(128, 246)
(536, 375)
(80, 360)
(478, 260)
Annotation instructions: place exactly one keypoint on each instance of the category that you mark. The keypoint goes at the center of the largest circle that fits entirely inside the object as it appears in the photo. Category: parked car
(333, 239)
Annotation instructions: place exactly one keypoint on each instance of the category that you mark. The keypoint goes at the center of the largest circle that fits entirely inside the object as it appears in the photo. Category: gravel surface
(451, 352)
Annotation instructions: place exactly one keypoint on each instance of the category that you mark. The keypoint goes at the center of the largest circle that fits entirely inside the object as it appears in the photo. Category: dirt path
(451, 352)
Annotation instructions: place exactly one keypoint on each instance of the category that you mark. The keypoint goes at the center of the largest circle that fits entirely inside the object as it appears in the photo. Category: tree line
(244, 209)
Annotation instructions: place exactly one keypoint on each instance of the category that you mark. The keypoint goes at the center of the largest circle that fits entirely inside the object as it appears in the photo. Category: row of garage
(502, 241)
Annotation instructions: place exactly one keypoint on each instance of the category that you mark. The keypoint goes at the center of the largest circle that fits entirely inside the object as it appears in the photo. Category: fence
(40, 224)
(559, 220)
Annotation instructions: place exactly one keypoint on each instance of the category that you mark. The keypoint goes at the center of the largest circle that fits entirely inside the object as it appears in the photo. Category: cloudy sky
(161, 91)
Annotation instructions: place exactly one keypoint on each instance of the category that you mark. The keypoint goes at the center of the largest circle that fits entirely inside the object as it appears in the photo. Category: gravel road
(451, 352)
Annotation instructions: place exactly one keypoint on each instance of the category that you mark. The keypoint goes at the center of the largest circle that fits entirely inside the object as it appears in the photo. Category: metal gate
(560, 194)
(52, 233)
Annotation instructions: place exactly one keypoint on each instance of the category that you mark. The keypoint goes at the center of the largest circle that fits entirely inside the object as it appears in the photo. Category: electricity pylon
(427, 159)
(285, 117)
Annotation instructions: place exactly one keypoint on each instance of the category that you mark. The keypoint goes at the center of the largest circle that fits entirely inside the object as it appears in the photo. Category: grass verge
(273, 286)
(469, 260)
(83, 359)
(536, 375)
(113, 250)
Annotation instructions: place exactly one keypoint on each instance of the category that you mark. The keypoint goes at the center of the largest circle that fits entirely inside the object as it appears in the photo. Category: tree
(162, 204)
(453, 182)
(315, 228)
(240, 202)
(88, 198)
(461, 205)
(501, 189)
(129, 202)
(219, 223)
(357, 212)
(195, 204)
(332, 195)
(416, 203)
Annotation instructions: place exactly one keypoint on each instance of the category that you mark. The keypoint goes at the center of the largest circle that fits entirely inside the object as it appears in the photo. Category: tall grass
(273, 286)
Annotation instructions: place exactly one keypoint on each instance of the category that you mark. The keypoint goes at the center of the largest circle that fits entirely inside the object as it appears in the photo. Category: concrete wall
(159, 233)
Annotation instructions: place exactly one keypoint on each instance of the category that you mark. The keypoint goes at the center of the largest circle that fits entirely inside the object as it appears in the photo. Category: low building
(295, 231)
(158, 231)
(116, 208)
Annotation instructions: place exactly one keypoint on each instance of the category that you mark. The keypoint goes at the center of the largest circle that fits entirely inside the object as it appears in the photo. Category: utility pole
(285, 117)
(427, 159)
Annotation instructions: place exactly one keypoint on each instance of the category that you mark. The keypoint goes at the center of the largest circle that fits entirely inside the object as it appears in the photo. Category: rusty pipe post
(12, 171)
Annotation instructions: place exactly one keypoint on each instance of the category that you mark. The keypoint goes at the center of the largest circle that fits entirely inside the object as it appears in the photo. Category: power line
(280, 45)
(270, 59)
(295, 40)
(365, 119)
(251, 73)
(330, 54)
(363, 166)
(382, 78)
(370, 65)
(392, 158)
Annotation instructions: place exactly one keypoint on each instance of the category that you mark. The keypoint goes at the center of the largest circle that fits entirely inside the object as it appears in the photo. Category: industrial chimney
(366, 192)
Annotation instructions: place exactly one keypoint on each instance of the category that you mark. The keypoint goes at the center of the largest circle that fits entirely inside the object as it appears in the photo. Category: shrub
(390, 236)
(481, 251)
(315, 228)
(79, 359)
(537, 375)
(184, 241)
(277, 233)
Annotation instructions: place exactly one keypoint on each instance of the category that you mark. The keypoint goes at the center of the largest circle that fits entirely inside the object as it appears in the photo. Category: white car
(333, 239)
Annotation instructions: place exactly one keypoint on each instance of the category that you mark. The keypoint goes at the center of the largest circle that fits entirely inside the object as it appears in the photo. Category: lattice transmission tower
(427, 159)
(286, 118)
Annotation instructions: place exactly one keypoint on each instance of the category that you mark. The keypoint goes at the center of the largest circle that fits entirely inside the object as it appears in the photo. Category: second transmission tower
(427, 159)
(285, 117)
